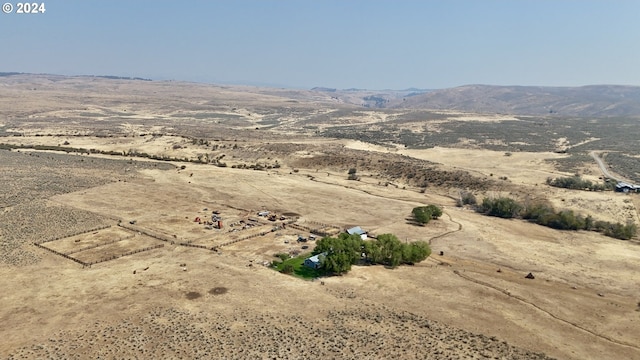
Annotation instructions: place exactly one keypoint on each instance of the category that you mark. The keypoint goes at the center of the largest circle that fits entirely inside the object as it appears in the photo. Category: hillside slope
(593, 100)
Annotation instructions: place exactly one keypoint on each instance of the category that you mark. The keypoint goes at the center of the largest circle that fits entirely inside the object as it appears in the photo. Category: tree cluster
(545, 215)
(346, 250)
(424, 214)
(388, 250)
(503, 207)
(578, 183)
(340, 253)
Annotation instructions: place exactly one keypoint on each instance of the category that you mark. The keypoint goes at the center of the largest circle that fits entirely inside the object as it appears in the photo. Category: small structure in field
(626, 187)
(357, 230)
(315, 261)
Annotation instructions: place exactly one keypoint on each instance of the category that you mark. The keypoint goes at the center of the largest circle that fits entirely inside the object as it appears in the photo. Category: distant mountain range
(593, 100)
(584, 101)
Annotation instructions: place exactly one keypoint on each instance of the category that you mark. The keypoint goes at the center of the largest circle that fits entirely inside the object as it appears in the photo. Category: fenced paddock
(87, 240)
(134, 245)
(100, 245)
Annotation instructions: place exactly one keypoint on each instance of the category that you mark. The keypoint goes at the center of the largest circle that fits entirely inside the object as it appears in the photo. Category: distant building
(626, 187)
(357, 230)
(315, 261)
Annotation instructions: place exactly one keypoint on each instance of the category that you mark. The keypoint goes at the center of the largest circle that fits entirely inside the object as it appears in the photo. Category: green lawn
(299, 270)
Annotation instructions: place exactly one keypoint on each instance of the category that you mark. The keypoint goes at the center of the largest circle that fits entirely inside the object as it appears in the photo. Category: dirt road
(603, 167)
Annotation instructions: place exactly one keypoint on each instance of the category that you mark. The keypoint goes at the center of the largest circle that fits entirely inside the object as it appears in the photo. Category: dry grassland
(206, 292)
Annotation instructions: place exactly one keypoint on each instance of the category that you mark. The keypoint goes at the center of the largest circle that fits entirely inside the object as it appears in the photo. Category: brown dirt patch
(192, 295)
(291, 214)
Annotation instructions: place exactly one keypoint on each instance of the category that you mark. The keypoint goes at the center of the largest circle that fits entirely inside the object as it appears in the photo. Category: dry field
(162, 285)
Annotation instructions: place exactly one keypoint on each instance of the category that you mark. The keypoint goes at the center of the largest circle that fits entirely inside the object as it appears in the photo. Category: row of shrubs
(199, 160)
(546, 215)
(578, 183)
(68, 149)
(256, 166)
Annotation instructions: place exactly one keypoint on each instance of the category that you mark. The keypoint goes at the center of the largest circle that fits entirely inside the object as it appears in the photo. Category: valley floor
(179, 301)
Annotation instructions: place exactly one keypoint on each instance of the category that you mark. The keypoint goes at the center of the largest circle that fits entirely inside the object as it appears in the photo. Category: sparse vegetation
(466, 198)
(578, 183)
(163, 201)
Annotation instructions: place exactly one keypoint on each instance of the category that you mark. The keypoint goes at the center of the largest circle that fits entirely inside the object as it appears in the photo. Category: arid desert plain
(108, 251)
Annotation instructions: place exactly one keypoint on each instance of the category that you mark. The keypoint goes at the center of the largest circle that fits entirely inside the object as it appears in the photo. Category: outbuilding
(626, 187)
(315, 261)
(357, 230)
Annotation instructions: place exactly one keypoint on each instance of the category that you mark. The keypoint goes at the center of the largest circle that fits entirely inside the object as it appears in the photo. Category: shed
(315, 261)
(357, 230)
(626, 187)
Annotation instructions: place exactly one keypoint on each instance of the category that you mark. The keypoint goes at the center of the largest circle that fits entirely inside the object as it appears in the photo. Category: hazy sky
(374, 44)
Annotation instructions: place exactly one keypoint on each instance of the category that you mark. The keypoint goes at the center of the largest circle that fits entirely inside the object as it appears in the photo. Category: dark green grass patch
(296, 264)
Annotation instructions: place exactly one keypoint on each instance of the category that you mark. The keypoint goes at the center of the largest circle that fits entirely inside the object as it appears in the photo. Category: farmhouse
(315, 261)
(357, 230)
(626, 187)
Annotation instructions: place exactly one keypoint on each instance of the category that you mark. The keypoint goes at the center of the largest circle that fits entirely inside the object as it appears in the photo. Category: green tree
(503, 207)
(424, 214)
(435, 211)
(536, 211)
(420, 215)
(415, 252)
(391, 249)
(373, 252)
(588, 222)
(287, 268)
(341, 252)
(619, 231)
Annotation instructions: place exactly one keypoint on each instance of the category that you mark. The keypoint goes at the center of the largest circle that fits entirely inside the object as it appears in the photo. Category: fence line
(126, 254)
(313, 231)
(158, 236)
(323, 224)
(75, 234)
(188, 244)
(62, 254)
(240, 239)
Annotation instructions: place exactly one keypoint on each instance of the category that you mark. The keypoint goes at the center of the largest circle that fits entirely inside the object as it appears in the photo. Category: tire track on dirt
(409, 201)
(448, 232)
(413, 202)
(527, 302)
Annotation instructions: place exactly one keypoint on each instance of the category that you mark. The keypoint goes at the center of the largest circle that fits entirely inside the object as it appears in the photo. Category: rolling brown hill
(593, 100)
